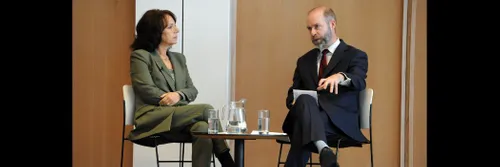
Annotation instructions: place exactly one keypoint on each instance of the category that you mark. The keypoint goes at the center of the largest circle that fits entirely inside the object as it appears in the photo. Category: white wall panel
(207, 48)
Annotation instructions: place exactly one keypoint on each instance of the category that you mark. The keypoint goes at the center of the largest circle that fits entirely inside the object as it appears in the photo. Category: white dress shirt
(331, 49)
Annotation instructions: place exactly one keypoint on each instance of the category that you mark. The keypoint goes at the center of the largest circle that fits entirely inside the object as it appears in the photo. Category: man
(338, 72)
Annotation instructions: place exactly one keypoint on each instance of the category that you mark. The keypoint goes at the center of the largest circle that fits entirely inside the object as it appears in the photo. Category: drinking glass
(213, 121)
(263, 121)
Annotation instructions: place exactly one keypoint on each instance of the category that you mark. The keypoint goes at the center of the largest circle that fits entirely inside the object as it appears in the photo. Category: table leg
(239, 152)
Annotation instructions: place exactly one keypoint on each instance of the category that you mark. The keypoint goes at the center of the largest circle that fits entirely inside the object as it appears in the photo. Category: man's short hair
(329, 15)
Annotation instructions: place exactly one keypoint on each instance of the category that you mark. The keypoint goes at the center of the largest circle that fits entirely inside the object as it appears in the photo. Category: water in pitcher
(233, 127)
(234, 114)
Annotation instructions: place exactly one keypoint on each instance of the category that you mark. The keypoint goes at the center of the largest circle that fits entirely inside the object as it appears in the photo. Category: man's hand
(169, 98)
(332, 81)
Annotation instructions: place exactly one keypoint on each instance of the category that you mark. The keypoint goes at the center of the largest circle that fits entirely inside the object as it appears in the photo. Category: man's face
(319, 29)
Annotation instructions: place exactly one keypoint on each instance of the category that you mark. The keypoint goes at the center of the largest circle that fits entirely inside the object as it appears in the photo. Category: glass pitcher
(233, 117)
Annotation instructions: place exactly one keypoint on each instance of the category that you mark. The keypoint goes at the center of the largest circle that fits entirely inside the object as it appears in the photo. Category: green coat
(150, 80)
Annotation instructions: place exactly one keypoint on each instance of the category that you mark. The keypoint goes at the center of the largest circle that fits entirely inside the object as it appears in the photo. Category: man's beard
(323, 41)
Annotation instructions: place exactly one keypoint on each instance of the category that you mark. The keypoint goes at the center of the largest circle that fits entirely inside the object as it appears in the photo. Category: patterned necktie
(322, 64)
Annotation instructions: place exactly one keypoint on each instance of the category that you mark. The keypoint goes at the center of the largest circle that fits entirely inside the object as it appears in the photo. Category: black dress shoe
(327, 158)
(225, 159)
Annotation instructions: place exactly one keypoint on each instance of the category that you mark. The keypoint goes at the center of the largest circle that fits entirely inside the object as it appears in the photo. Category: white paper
(298, 92)
(256, 132)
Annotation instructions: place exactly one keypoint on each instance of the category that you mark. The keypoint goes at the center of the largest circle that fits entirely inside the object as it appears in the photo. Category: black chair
(154, 140)
(365, 106)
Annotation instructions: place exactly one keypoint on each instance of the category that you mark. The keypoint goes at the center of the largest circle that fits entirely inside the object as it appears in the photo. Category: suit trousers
(310, 123)
(194, 117)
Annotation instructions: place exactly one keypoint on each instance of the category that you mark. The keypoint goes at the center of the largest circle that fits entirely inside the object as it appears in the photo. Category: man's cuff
(346, 81)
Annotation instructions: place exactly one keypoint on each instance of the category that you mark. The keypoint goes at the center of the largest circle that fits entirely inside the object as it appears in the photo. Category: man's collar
(333, 46)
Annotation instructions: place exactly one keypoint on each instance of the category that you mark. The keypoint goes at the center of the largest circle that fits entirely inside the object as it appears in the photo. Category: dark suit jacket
(343, 107)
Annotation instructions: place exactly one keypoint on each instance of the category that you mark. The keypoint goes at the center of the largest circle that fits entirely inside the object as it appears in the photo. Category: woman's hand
(169, 99)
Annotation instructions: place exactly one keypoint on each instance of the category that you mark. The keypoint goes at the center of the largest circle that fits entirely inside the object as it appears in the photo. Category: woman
(164, 89)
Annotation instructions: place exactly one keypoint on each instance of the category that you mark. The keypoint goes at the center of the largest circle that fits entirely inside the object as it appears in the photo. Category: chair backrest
(365, 107)
(128, 104)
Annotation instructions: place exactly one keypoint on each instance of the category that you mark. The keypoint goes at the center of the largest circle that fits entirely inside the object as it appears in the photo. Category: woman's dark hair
(149, 29)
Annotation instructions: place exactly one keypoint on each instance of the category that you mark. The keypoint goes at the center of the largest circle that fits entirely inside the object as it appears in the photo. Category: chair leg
(371, 137)
(337, 151)
(371, 151)
(121, 162)
(279, 155)
(182, 155)
(157, 158)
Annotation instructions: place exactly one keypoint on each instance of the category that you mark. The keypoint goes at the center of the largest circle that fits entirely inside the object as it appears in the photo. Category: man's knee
(301, 106)
(304, 99)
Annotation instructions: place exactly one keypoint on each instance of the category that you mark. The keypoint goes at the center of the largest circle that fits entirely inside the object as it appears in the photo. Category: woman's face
(169, 34)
